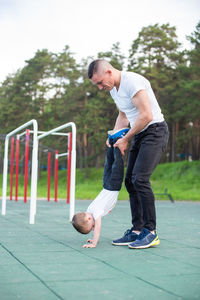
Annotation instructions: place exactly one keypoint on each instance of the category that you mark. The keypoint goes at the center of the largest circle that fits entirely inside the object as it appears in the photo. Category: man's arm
(121, 122)
(96, 234)
(142, 103)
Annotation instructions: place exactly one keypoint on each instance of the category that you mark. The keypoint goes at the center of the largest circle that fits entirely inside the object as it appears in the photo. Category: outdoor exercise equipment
(38, 135)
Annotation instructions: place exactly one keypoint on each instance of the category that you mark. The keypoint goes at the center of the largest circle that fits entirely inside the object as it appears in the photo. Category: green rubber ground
(46, 261)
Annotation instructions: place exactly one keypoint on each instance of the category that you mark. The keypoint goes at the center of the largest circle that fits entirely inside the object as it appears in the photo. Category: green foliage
(182, 180)
(155, 54)
(155, 46)
(115, 57)
(175, 78)
(54, 89)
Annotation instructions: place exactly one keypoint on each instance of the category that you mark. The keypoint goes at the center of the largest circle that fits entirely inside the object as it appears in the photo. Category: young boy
(113, 175)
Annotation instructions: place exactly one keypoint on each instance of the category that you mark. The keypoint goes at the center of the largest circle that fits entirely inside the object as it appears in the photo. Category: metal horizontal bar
(21, 127)
(53, 133)
(62, 154)
(71, 124)
(21, 134)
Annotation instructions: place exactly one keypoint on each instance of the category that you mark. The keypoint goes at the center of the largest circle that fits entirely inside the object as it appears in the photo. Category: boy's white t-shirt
(130, 84)
(103, 203)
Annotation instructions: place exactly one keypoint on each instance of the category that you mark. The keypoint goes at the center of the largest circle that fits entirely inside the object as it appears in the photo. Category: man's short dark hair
(93, 67)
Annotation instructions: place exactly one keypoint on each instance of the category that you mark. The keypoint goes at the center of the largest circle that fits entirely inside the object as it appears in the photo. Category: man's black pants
(145, 153)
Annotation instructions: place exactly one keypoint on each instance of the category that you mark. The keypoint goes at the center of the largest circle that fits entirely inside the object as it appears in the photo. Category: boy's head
(83, 222)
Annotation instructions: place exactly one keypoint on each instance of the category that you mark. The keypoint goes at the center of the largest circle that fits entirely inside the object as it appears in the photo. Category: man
(138, 106)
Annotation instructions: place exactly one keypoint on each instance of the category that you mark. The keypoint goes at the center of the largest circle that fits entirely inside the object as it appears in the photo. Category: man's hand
(107, 143)
(122, 145)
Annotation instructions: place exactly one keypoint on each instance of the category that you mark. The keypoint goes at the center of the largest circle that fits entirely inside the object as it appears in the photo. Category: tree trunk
(85, 150)
(196, 141)
(172, 143)
(39, 164)
(80, 154)
(85, 144)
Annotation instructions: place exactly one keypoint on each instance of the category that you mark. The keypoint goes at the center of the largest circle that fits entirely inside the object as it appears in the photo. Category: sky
(86, 26)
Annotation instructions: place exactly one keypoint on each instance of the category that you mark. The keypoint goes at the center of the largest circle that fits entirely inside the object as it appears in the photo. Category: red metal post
(69, 167)
(26, 166)
(16, 168)
(49, 176)
(11, 166)
(56, 175)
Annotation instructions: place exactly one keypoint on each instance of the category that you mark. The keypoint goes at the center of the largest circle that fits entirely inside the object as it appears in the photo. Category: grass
(182, 180)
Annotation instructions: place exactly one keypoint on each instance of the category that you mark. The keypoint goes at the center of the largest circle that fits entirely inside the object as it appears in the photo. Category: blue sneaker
(145, 239)
(113, 136)
(129, 237)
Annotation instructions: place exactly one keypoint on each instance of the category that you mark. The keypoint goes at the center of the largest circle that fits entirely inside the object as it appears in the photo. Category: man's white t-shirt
(130, 84)
(103, 203)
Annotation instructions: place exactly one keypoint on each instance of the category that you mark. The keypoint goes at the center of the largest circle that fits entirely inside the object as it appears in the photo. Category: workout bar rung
(63, 154)
(54, 133)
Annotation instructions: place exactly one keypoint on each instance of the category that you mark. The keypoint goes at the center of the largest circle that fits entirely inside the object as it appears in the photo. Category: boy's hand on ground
(89, 246)
(89, 241)
(122, 145)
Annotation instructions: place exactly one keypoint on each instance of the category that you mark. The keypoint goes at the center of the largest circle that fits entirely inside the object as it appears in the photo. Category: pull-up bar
(27, 133)
(34, 169)
(53, 133)
(71, 164)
